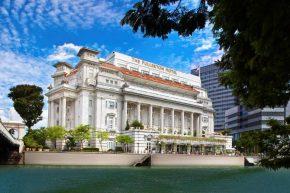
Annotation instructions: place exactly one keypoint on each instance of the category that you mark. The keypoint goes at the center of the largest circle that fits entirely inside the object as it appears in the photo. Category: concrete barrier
(195, 160)
(86, 158)
(80, 158)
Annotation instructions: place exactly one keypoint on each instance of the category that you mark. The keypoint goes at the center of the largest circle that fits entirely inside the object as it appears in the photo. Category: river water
(86, 179)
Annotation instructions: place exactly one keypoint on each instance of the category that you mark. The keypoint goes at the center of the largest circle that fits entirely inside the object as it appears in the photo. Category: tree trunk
(55, 144)
(101, 146)
(29, 130)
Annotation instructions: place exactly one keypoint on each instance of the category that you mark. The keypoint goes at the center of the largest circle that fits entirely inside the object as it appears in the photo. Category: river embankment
(122, 159)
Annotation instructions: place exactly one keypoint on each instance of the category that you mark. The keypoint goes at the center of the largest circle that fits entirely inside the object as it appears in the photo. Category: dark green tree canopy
(28, 102)
(276, 145)
(253, 34)
(157, 18)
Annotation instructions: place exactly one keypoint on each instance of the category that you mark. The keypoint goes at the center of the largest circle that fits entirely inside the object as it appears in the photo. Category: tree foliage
(272, 144)
(137, 124)
(156, 19)
(102, 136)
(40, 136)
(255, 38)
(125, 140)
(81, 133)
(127, 125)
(28, 102)
(277, 145)
(253, 34)
(250, 142)
(30, 142)
(54, 133)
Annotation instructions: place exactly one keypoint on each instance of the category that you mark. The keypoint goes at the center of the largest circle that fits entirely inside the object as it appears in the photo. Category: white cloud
(43, 122)
(176, 62)
(201, 40)
(21, 69)
(207, 59)
(64, 52)
(206, 45)
(20, 17)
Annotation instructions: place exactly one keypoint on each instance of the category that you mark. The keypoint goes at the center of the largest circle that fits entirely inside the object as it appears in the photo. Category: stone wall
(191, 160)
(77, 158)
(82, 158)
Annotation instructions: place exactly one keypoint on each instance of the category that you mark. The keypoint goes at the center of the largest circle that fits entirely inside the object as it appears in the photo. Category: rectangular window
(144, 72)
(91, 73)
(175, 80)
(90, 103)
(90, 120)
(111, 104)
(166, 77)
(110, 122)
(107, 81)
(122, 65)
(205, 119)
(155, 74)
(134, 69)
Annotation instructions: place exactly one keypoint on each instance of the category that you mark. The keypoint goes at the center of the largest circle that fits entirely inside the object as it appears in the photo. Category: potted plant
(137, 125)
(39, 147)
(46, 149)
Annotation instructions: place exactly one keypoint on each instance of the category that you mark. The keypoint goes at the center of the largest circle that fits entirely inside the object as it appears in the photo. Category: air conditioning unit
(91, 82)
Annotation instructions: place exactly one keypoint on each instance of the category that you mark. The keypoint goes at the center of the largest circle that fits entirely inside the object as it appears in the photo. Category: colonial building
(106, 94)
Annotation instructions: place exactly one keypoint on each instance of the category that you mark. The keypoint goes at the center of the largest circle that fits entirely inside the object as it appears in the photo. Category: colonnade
(195, 118)
(54, 117)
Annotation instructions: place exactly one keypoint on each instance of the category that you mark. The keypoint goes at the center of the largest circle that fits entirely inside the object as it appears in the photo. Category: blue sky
(36, 34)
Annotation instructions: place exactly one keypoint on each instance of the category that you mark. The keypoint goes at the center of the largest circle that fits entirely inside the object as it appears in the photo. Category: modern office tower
(221, 97)
(239, 119)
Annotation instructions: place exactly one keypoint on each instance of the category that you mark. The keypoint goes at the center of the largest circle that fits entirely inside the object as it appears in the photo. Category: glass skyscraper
(221, 97)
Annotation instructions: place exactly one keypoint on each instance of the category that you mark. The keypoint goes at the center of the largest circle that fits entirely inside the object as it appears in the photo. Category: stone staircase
(145, 161)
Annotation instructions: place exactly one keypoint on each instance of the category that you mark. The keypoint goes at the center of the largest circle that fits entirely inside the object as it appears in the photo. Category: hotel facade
(174, 109)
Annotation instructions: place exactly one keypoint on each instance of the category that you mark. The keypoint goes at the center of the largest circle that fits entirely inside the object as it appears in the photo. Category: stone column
(125, 104)
(63, 112)
(60, 112)
(76, 113)
(139, 112)
(162, 119)
(182, 122)
(52, 112)
(172, 120)
(198, 125)
(49, 114)
(150, 116)
(191, 124)
(96, 112)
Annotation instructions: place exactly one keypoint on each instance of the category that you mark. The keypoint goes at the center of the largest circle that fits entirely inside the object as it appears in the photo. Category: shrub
(119, 149)
(127, 125)
(91, 149)
(29, 141)
(137, 124)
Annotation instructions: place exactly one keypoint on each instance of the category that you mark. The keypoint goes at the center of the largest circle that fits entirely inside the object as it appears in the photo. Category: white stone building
(107, 94)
